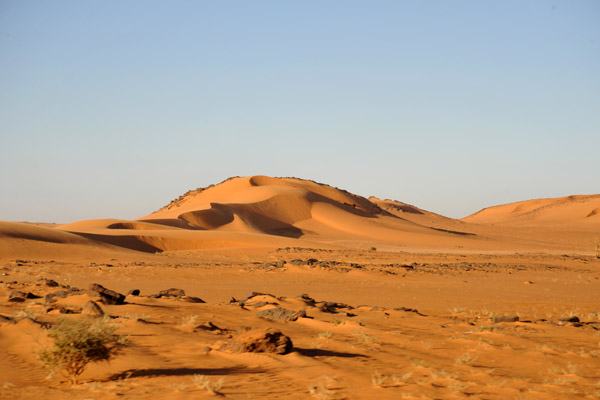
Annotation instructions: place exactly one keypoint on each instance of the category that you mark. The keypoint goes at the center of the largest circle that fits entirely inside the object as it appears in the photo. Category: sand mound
(19, 239)
(296, 208)
(571, 210)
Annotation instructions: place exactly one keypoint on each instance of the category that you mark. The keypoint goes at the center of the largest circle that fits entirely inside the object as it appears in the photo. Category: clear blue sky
(114, 108)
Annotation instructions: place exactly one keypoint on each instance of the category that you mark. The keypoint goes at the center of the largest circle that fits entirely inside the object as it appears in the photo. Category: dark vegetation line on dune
(197, 191)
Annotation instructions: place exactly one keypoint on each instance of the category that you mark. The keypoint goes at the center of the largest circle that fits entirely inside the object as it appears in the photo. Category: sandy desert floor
(471, 311)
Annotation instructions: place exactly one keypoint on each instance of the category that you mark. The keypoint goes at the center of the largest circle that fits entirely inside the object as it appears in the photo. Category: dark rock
(192, 299)
(18, 296)
(307, 299)
(173, 292)
(406, 309)
(209, 326)
(92, 308)
(51, 297)
(505, 318)
(109, 297)
(261, 341)
(311, 261)
(133, 292)
(264, 303)
(281, 314)
(299, 314)
(570, 319)
(4, 318)
(60, 293)
(50, 283)
(280, 264)
(254, 294)
(297, 262)
(61, 309)
(331, 307)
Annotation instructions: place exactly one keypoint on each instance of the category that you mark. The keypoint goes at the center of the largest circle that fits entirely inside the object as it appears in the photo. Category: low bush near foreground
(78, 342)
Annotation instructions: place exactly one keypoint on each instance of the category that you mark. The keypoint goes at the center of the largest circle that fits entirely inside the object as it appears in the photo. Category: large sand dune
(275, 212)
(261, 211)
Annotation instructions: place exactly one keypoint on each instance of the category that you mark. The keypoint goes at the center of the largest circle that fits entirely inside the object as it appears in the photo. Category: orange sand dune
(300, 209)
(260, 211)
(19, 239)
(579, 211)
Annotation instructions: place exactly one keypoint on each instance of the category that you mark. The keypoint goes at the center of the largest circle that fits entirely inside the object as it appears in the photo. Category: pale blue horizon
(112, 109)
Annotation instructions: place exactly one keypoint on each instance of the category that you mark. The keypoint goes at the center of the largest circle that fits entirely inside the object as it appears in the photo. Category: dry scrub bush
(203, 382)
(78, 342)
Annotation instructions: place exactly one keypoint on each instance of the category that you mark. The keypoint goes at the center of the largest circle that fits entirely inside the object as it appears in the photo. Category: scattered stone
(281, 314)
(50, 297)
(570, 319)
(133, 292)
(4, 318)
(264, 303)
(50, 282)
(59, 310)
(192, 299)
(332, 308)
(18, 296)
(406, 309)
(173, 292)
(209, 326)
(254, 294)
(528, 283)
(505, 318)
(261, 341)
(307, 299)
(92, 308)
(109, 297)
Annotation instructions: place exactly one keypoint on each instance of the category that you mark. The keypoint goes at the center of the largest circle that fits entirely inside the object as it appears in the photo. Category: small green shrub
(78, 342)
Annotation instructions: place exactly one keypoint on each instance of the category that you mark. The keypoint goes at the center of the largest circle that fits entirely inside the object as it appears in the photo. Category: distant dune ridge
(261, 211)
(582, 210)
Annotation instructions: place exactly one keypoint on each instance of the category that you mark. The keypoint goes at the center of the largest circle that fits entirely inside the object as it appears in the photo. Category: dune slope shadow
(132, 373)
(326, 353)
(127, 242)
(220, 215)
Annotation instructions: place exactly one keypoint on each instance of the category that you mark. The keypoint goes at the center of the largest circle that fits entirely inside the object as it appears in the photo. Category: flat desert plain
(282, 288)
